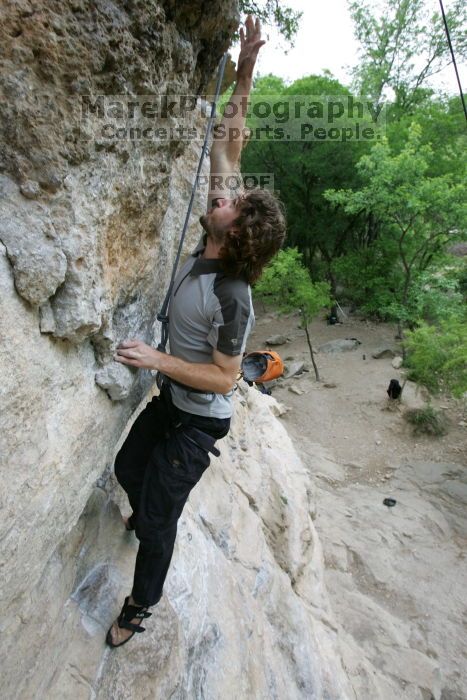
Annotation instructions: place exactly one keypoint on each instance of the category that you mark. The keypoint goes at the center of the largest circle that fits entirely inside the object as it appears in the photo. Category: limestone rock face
(87, 236)
(244, 610)
(85, 211)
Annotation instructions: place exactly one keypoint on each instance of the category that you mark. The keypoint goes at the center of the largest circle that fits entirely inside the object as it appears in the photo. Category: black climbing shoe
(124, 621)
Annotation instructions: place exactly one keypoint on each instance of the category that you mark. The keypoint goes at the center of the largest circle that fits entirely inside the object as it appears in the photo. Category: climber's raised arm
(229, 134)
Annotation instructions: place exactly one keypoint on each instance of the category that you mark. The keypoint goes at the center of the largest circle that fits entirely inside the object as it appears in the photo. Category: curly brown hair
(260, 233)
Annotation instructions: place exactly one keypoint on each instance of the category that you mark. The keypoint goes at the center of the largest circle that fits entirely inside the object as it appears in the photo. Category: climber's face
(220, 218)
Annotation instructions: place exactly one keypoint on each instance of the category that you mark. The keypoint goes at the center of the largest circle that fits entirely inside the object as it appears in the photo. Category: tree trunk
(329, 273)
(399, 329)
(400, 325)
(311, 354)
(332, 282)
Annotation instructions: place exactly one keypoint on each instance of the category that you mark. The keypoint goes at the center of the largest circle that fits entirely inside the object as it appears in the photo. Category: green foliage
(303, 170)
(436, 292)
(426, 420)
(287, 283)
(268, 85)
(462, 280)
(442, 122)
(403, 44)
(418, 217)
(274, 13)
(369, 278)
(437, 354)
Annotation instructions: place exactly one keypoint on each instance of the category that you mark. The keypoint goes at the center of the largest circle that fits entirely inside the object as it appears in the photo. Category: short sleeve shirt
(208, 310)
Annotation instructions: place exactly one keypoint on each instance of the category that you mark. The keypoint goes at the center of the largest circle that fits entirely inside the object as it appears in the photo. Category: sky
(325, 40)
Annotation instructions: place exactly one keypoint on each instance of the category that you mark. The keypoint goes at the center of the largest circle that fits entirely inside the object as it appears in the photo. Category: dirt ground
(395, 576)
(354, 419)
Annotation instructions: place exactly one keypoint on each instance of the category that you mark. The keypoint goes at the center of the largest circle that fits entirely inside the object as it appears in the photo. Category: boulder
(293, 369)
(339, 345)
(382, 352)
(295, 390)
(276, 340)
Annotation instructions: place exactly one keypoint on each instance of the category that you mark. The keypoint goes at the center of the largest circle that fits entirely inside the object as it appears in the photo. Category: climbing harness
(162, 316)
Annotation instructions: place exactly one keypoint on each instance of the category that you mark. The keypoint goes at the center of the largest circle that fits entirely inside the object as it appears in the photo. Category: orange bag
(262, 366)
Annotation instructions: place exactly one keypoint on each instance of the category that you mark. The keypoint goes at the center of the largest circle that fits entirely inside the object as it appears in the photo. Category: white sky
(325, 40)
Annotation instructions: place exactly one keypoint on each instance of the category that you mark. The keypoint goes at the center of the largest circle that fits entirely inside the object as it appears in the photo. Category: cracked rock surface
(244, 611)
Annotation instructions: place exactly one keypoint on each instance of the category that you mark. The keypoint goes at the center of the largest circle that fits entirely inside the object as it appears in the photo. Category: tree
(419, 215)
(403, 46)
(273, 12)
(442, 122)
(287, 282)
(303, 170)
(437, 354)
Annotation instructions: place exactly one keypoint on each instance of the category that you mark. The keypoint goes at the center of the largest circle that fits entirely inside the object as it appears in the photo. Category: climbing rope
(453, 57)
(162, 315)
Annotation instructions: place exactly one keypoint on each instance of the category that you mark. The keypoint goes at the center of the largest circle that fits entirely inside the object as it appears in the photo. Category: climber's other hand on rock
(137, 354)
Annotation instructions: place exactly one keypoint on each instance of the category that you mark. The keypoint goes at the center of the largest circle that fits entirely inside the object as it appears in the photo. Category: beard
(215, 232)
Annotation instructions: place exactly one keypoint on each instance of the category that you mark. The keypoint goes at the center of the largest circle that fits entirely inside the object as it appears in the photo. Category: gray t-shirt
(208, 310)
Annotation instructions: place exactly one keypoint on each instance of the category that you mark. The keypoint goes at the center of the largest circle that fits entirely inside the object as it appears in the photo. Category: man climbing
(211, 314)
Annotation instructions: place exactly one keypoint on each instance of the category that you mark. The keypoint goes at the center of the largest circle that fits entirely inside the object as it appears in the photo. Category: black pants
(162, 459)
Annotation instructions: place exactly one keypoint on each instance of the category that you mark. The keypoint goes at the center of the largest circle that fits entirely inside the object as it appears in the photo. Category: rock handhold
(46, 318)
(30, 189)
(29, 236)
(340, 345)
(116, 380)
(397, 362)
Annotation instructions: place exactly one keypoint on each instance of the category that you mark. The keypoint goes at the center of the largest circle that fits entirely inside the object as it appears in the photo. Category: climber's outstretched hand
(250, 44)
